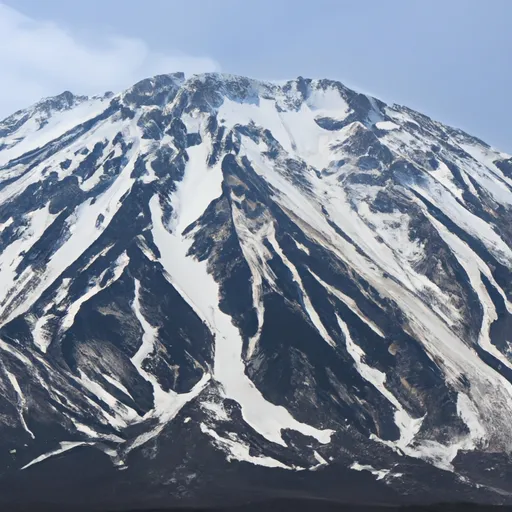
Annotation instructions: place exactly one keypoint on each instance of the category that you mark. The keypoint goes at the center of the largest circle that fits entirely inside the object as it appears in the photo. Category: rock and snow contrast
(217, 283)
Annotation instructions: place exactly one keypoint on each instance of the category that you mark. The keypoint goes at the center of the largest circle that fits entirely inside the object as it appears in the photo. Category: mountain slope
(296, 277)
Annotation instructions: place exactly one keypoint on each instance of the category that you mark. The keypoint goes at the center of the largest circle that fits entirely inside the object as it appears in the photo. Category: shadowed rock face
(216, 289)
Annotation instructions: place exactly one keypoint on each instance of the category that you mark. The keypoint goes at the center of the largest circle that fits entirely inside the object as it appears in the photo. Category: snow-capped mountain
(217, 283)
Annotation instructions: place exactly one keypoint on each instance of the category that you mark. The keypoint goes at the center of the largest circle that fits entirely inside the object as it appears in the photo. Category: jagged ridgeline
(217, 281)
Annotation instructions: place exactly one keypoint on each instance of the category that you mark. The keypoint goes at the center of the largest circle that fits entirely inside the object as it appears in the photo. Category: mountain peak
(294, 281)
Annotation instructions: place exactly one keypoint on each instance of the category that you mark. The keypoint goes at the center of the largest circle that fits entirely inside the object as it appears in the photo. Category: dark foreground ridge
(316, 506)
(286, 505)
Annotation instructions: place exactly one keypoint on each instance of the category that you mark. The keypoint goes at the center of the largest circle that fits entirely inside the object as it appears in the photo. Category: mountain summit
(217, 288)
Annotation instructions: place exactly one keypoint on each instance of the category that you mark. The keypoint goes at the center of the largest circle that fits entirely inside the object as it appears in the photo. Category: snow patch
(22, 402)
(237, 450)
(386, 125)
(216, 409)
(379, 473)
(64, 447)
(408, 426)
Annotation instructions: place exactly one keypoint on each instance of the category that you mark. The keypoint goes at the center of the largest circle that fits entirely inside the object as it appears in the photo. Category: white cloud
(40, 58)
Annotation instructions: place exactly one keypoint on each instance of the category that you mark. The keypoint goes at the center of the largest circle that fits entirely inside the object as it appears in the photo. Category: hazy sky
(451, 59)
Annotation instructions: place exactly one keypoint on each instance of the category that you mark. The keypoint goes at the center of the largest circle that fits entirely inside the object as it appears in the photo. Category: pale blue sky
(451, 59)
